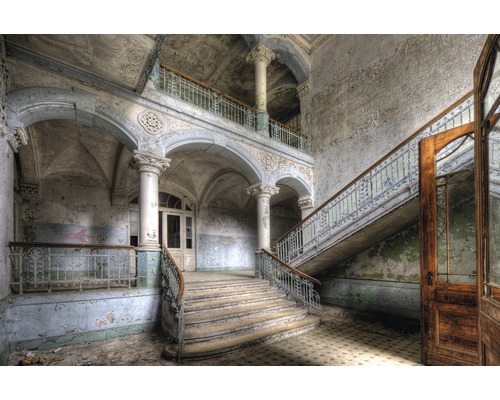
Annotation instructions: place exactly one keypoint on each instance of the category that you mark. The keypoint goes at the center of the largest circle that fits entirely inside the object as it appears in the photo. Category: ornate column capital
(305, 202)
(17, 137)
(303, 89)
(148, 162)
(260, 53)
(260, 190)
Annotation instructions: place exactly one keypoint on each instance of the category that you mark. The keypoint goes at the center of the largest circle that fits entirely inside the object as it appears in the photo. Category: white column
(261, 57)
(263, 193)
(150, 168)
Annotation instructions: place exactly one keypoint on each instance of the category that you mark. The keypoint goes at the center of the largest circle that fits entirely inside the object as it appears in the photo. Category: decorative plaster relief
(151, 122)
(269, 163)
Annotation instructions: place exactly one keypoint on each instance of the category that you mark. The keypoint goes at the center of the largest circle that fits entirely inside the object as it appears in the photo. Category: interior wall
(370, 92)
(384, 278)
(227, 239)
(73, 214)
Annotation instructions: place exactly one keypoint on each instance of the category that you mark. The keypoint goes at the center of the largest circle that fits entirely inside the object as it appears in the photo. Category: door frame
(432, 354)
(485, 119)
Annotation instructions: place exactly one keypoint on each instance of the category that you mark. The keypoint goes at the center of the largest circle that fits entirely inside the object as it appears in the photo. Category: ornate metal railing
(294, 283)
(183, 87)
(172, 305)
(395, 176)
(40, 267)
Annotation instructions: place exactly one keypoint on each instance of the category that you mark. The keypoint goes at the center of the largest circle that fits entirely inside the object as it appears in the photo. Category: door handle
(430, 278)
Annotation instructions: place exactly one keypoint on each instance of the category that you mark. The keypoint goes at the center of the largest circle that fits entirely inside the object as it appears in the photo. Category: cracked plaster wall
(73, 214)
(370, 92)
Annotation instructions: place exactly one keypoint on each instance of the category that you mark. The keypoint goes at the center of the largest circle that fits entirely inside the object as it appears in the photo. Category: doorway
(177, 230)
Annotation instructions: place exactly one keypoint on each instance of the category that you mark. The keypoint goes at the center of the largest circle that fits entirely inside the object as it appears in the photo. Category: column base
(148, 268)
(262, 123)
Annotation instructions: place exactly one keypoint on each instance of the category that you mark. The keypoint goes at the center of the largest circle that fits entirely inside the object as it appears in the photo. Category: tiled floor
(344, 338)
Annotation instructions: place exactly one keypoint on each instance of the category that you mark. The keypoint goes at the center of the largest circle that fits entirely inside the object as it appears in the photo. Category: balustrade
(196, 93)
(395, 176)
(47, 267)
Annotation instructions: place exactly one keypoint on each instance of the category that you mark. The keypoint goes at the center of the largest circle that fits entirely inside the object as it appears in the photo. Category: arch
(240, 157)
(295, 180)
(285, 51)
(30, 105)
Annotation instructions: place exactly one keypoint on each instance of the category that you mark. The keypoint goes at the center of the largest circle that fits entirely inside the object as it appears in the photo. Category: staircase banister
(179, 272)
(381, 160)
(296, 271)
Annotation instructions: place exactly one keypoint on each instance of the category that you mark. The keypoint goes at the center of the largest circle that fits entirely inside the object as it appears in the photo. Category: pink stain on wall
(82, 236)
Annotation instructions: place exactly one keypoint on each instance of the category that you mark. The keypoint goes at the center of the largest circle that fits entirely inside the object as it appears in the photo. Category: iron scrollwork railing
(182, 87)
(291, 281)
(38, 267)
(172, 304)
(394, 177)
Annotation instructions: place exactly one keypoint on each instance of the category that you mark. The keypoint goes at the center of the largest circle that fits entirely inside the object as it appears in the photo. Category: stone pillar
(150, 168)
(306, 206)
(262, 194)
(261, 57)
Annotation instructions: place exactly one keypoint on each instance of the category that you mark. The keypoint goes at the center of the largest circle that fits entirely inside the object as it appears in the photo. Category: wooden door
(447, 247)
(487, 112)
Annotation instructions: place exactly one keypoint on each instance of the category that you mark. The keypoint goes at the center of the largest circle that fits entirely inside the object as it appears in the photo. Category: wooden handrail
(226, 96)
(69, 245)
(393, 151)
(298, 272)
(179, 272)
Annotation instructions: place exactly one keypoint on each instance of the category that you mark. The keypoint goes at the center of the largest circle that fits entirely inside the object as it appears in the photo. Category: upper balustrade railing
(183, 87)
(394, 175)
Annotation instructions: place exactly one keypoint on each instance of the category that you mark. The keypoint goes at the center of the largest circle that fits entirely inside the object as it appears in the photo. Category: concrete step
(269, 334)
(205, 317)
(224, 316)
(235, 326)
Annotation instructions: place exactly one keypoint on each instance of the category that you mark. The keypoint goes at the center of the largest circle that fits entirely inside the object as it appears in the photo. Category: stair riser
(194, 297)
(199, 321)
(190, 308)
(248, 328)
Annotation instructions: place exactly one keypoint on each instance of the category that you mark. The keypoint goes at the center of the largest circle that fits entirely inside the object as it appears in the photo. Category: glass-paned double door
(177, 234)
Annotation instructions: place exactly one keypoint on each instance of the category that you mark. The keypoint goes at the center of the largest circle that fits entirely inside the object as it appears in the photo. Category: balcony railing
(188, 89)
(395, 176)
(47, 267)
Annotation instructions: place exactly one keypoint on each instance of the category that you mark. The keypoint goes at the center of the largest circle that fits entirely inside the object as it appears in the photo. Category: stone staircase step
(205, 317)
(228, 328)
(226, 315)
(197, 306)
(269, 334)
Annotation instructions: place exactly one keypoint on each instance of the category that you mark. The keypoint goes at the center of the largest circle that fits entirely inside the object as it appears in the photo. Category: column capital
(148, 162)
(303, 89)
(261, 190)
(17, 137)
(260, 53)
(305, 202)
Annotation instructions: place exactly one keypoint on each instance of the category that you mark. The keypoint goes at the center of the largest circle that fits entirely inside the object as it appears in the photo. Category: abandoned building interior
(355, 171)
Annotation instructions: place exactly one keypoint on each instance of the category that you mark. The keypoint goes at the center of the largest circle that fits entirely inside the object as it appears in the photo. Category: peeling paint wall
(227, 239)
(73, 214)
(52, 320)
(370, 92)
(384, 278)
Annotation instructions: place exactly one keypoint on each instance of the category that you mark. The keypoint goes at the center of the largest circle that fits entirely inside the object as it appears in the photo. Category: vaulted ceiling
(66, 152)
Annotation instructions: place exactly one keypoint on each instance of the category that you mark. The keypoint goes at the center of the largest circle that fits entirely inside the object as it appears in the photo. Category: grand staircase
(222, 316)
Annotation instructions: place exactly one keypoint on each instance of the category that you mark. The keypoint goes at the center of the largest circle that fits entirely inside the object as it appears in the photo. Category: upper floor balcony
(182, 87)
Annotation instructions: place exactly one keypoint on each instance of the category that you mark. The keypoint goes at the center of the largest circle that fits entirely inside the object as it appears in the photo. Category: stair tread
(237, 310)
(209, 348)
(195, 285)
(221, 328)
(189, 304)
(227, 291)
